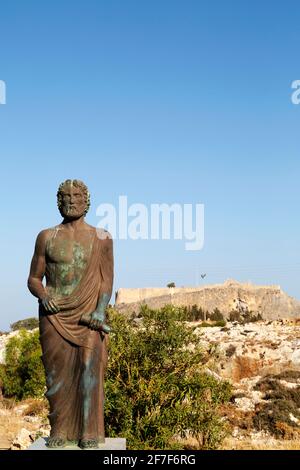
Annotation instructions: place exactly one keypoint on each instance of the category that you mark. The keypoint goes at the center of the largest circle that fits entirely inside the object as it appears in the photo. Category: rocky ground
(261, 360)
(22, 423)
(254, 349)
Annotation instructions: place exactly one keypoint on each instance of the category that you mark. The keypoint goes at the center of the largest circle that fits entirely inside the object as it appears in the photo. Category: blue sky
(162, 101)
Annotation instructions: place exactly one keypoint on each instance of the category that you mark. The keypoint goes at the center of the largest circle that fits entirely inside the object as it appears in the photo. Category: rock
(295, 358)
(43, 431)
(290, 385)
(244, 404)
(31, 419)
(22, 441)
(213, 374)
(293, 418)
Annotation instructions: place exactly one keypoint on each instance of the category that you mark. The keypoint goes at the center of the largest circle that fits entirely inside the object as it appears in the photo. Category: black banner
(136, 459)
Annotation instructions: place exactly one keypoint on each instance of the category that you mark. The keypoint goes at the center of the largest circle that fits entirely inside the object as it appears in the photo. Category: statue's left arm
(107, 270)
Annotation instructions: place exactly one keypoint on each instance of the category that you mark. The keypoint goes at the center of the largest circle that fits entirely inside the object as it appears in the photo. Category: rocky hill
(269, 301)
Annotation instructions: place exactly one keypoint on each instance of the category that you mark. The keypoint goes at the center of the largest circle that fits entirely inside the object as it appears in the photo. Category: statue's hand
(97, 322)
(49, 304)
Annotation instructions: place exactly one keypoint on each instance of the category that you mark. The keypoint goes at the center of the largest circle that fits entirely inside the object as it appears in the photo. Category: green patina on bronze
(89, 381)
(67, 262)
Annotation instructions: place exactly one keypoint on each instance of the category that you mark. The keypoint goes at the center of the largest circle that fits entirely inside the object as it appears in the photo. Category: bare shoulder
(105, 239)
(104, 235)
(45, 234)
(41, 241)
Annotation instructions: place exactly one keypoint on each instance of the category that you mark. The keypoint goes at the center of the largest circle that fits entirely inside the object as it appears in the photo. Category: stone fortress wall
(270, 301)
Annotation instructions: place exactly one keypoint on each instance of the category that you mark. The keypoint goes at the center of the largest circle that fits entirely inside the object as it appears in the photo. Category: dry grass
(263, 444)
(231, 443)
(10, 425)
(13, 417)
(35, 407)
(244, 366)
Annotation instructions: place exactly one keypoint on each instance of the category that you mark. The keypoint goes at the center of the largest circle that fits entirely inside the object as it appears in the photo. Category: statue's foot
(89, 443)
(72, 443)
(56, 441)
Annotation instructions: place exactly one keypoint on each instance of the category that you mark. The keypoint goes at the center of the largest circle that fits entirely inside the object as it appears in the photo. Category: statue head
(73, 199)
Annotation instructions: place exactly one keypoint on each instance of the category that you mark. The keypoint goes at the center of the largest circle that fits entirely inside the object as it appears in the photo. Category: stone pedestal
(117, 443)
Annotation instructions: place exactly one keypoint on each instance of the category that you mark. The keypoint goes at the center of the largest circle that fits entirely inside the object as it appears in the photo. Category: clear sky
(164, 101)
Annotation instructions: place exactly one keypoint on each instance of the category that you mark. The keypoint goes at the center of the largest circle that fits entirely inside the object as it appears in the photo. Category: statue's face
(73, 202)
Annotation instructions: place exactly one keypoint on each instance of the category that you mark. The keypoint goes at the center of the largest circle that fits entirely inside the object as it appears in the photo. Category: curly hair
(78, 184)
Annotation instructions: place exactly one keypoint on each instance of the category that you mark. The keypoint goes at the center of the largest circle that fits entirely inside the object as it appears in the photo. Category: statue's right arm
(37, 272)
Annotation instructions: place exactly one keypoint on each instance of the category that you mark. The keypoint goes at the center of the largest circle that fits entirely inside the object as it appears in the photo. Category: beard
(72, 212)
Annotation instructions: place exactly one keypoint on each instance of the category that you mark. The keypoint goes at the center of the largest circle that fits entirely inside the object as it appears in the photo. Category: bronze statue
(77, 262)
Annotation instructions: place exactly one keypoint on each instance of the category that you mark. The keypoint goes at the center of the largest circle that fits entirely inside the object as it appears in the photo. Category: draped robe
(74, 356)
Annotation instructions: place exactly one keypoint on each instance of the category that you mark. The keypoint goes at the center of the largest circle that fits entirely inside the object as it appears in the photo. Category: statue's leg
(59, 359)
(92, 390)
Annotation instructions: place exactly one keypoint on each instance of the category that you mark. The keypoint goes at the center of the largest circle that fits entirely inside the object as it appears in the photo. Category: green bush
(220, 323)
(195, 313)
(244, 317)
(250, 317)
(156, 390)
(171, 284)
(23, 375)
(235, 315)
(279, 411)
(216, 315)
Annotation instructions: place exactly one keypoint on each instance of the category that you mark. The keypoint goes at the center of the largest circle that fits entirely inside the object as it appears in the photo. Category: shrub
(244, 317)
(216, 315)
(250, 317)
(278, 413)
(194, 313)
(268, 416)
(220, 323)
(171, 284)
(290, 375)
(156, 389)
(234, 315)
(23, 374)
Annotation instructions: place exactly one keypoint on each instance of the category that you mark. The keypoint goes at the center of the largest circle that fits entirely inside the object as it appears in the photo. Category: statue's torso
(67, 255)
